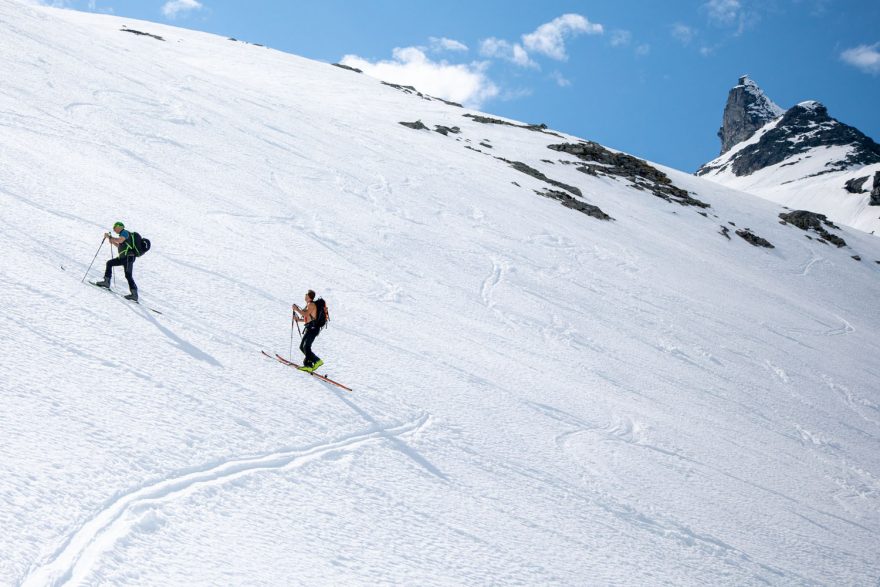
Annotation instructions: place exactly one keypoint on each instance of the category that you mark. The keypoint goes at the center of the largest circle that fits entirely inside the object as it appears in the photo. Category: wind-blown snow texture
(540, 397)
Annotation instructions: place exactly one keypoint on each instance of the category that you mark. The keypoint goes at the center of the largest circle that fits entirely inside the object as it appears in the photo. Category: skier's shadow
(393, 440)
(183, 345)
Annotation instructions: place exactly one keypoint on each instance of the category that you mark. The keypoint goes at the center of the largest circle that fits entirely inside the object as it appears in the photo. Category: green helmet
(119, 224)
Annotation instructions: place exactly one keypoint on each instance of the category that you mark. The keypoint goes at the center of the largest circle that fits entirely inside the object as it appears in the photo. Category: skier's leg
(306, 346)
(108, 271)
(129, 270)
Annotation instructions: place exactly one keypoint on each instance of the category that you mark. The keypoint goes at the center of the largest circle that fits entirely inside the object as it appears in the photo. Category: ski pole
(112, 273)
(290, 354)
(93, 260)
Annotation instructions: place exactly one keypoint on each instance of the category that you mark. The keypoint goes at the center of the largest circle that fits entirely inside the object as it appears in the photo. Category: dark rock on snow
(602, 162)
(417, 125)
(348, 67)
(854, 186)
(806, 220)
(533, 127)
(579, 205)
(875, 193)
(445, 130)
(125, 29)
(523, 168)
(754, 239)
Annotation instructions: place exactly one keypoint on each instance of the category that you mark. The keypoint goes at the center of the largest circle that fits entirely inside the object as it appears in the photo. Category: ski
(123, 297)
(284, 361)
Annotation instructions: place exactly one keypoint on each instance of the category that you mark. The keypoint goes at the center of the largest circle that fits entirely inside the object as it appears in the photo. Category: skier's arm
(115, 240)
(307, 315)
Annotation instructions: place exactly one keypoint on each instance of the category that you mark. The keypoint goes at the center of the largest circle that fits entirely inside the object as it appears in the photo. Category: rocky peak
(804, 127)
(748, 109)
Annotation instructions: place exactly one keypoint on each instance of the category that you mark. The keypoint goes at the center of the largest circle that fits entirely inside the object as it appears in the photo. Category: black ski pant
(128, 264)
(311, 332)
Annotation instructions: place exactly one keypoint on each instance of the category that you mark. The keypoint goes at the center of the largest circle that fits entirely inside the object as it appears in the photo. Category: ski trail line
(490, 283)
(73, 560)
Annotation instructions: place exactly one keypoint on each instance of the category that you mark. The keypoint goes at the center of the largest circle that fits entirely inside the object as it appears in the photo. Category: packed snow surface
(539, 397)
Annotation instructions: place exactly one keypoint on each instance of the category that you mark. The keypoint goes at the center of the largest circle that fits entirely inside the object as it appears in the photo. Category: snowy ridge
(803, 182)
(762, 106)
(541, 396)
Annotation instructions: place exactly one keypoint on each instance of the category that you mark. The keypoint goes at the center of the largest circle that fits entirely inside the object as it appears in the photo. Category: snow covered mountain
(801, 158)
(570, 366)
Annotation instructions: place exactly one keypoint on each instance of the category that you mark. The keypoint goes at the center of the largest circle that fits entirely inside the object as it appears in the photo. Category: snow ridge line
(72, 562)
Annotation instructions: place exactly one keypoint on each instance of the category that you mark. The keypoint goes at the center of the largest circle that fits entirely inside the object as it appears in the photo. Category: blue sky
(650, 78)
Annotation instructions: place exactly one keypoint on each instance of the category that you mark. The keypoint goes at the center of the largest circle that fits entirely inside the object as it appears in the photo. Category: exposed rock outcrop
(854, 186)
(875, 193)
(579, 205)
(523, 168)
(348, 67)
(533, 127)
(445, 130)
(600, 161)
(813, 221)
(417, 125)
(411, 90)
(125, 29)
(754, 239)
(747, 110)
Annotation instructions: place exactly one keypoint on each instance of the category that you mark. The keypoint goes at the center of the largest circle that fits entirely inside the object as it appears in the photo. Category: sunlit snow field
(539, 397)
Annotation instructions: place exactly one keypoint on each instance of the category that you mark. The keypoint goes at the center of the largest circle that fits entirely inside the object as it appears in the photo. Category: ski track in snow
(82, 550)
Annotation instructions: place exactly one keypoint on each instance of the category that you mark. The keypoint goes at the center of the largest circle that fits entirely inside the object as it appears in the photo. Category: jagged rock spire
(747, 110)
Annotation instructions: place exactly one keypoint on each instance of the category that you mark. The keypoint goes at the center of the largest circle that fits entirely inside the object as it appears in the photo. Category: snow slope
(540, 397)
(804, 181)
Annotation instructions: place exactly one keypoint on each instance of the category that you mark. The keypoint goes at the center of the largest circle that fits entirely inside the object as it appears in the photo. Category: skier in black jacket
(123, 241)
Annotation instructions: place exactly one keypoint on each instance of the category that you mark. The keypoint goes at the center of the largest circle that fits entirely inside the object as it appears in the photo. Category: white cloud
(683, 33)
(732, 13)
(501, 49)
(549, 38)
(864, 57)
(174, 7)
(643, 49)
(723, 12)
(620, 38)
(560, 80)
(464, 83)
(444, 44)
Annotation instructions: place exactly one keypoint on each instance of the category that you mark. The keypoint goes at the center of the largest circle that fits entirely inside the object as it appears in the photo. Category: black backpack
(322, 314)
(136, 244)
